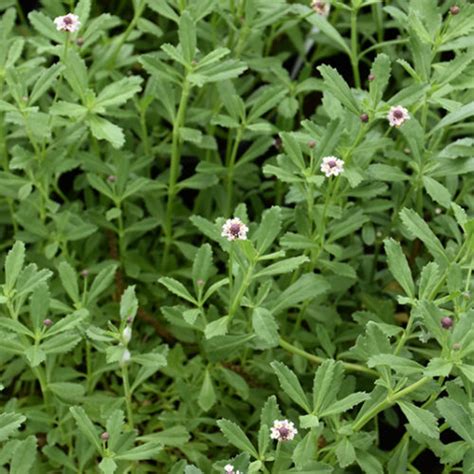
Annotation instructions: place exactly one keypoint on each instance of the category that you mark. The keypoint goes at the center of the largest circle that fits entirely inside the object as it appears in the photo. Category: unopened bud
(466, 295)
(446, 322)
(200, 282)
(311, 144)
(129, 320)
(456, 346)
(277, 143)
(48, 323)
(105, 436)
(454, 10)
(371, 77)
(127, 335)
(438, 211)
(84, 273)
(112, 178)
(80, 41)
(364, 118)
(407, 151)
(126, 356)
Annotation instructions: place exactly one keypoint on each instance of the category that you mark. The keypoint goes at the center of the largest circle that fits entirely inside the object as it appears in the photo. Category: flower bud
(364, 118)
(466, 295)
(127, 335)
(80, 41)
(112, 178)
(456, 346)
(126, 356)
(371, 77)
(84, 273)
(311, 144)
(48, 323)
(446, 322)
(105, 436)
(454, 10)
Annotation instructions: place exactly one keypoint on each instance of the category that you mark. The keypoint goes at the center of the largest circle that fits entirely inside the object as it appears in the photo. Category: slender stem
(389, 401)
(174, 170)
(127, 394)
(354, 50)
(230, 169)
(241, 292)
(319, 360)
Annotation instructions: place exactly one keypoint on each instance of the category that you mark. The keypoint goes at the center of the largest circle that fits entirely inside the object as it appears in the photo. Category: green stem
(354, 50)
(319, 360)
(230, 169)
(241, 292)
(174, 170)
(389, 401)
(128, 394)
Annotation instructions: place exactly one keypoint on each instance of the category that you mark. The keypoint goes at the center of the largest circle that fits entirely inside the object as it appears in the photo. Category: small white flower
(332, 166)
(283, 430)
(234, 229)
(397, 116)
(127, 335)
(229, 469)
(126, 356)
(69, 22)
(438, 211)
(321, 7)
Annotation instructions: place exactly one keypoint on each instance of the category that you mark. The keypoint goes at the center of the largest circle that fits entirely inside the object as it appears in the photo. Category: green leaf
(174, 436)
(140, 453)
(290, 384)
(326, 384)
(437, 192)
(202, 264)
(44, 25)
(76, 73)
(268, 229)
(102, 129)
(107, 466)
(9, 424)
(35, 355)
(325, 27)
(119, 92)
(13, 265)
(339, 88)
(422, 421)
(284, 266)
(305, 449)
(458, 115)
(44, 82)
(128, 304)
(457, 418)
(237, 437)
(68, 277)
(67, 391)
(217, 327)
(398, 265)
(345, 453)
(293, 150)
(187, 36)
(420, 229)
(207, 395)
(101, 282)
(381, 72)
(177, 288)
(24, 456)
(265, 327)
(345, 404)
(86, 426)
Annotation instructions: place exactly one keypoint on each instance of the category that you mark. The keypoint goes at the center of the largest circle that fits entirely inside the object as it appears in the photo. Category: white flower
(69, 22)
(332, 166)
(234, 229)
(229, 469)
(283, 430)
(126, 356)
(321, 7)
(127, 335)
(397, 116)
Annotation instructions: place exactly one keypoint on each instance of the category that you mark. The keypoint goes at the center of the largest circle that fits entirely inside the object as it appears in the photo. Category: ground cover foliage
(328, 328)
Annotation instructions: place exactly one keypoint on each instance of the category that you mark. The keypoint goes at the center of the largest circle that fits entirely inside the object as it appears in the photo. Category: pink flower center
(234, 229)
(398, 114)
(332, 163)
(67, 20)
(284, 432)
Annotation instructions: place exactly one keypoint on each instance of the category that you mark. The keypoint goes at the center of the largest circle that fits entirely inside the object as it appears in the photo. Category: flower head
(234, 229)
(229, 469)
(126, 356)
(69, 22)
(283, 430)
(332, 166)
(321, 7)
(397, 116)
(446, 322)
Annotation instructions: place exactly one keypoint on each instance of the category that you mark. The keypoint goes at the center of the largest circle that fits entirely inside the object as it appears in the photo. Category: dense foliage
(328, 327)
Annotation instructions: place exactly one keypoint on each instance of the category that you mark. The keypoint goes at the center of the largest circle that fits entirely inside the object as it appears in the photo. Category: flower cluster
(321, 7)
(397, 116)
(69, 22)
(332, 166)
(234, 229)
(283, 430)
